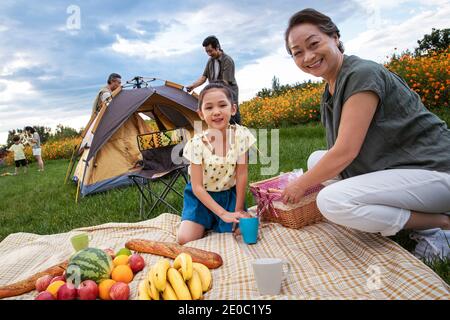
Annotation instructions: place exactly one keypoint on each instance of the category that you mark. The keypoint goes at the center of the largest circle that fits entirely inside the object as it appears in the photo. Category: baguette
(27, 285)
(172, 250)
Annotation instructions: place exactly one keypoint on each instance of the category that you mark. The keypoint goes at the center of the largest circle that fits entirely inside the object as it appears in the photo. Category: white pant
(382, 201)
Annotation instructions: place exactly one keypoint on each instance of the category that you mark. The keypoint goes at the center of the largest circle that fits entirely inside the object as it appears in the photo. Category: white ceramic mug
(269, 274)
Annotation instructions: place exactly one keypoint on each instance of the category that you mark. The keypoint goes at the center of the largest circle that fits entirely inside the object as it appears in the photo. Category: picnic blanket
(327, 261)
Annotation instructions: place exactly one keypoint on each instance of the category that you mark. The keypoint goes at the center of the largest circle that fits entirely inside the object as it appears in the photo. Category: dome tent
(109, 151)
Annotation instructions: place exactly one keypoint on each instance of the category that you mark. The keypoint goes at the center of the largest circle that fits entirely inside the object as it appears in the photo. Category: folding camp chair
(162, 162)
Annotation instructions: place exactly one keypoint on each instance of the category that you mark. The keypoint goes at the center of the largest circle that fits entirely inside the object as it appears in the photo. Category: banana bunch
(184, 280)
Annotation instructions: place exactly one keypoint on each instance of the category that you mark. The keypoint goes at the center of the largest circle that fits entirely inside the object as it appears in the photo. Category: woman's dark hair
(323, 22)
(215, 85)
(31, 129)
(16, 138)
(213, 41)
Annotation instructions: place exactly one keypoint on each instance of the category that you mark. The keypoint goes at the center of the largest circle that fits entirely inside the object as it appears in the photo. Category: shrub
(293, 107)
(427, 75)
(54, 150)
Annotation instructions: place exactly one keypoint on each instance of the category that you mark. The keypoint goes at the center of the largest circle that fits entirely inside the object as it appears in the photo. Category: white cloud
(381, 4)
(183, 34)
(253, 77)
(21, 105)
(435, 2)
(104, 27)
(23, 116)
(19, 61)
(378, 42)
(3, 137)
(148, 50)
(14, 91)
(136, 30)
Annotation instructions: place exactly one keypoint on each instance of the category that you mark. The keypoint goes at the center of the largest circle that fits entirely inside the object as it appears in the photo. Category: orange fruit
(122, 273)
(54, 287)
(121, 260)
(104, 287)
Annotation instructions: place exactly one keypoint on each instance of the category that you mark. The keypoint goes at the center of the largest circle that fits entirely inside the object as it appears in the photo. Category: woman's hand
(293, 192)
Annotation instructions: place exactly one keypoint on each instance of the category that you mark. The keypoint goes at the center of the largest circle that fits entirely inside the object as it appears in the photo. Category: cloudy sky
(52, 63)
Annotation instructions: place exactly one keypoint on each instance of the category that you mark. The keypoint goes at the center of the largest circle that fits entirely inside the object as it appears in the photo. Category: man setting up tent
(220, 67)
(114, 81)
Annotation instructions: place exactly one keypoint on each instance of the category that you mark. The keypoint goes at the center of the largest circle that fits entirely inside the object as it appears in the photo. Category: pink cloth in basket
(265, 198)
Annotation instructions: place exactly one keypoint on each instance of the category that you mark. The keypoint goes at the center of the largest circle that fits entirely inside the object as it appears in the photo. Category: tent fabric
(117, 112)
(327, 261)
(121, 153)
(115, 159)
(176, 117)
(87, 140)
(105, 185)
(112, 151)
(129, 101)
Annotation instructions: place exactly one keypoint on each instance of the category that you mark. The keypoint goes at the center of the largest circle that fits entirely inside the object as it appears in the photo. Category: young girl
(214, 199)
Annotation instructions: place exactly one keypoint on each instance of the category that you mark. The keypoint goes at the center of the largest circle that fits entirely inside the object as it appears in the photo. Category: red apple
(119, 291)
(67, 292)
(136, 263)
(110, 252)
(44, 295)
(58, 278)
(88, 290)
(43, 282)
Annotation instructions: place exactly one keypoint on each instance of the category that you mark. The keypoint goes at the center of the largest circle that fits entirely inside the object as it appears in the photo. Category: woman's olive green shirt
(403, 133)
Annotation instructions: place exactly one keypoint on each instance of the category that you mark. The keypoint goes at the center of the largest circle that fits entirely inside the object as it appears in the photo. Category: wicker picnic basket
(271, 208)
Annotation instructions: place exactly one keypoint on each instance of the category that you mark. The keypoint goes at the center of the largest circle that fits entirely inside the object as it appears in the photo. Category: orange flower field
(294, 107)
(61, 149)
(428, 76)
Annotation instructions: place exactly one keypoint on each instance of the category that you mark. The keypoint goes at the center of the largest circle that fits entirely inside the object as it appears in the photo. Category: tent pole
(78, 192)
(70, 167)
(94, 115)
(77, 147)
(103, 108)
(73, 164)
(82, 181)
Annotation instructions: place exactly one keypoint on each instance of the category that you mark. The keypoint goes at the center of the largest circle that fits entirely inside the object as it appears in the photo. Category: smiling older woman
(391, 156)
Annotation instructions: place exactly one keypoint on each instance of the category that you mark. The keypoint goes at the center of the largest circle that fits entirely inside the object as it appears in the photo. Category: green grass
(444, 114)
(39, 202)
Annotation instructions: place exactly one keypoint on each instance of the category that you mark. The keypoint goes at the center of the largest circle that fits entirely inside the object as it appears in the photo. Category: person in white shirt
(19, 155)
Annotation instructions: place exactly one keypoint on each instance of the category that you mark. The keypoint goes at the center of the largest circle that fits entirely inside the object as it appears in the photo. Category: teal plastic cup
(249, 229)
